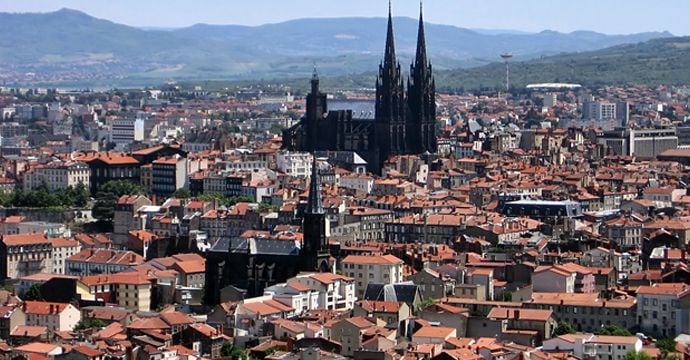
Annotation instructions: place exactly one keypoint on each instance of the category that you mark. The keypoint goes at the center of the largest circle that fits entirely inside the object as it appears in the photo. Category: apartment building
(596, 347)
(168, 175)
(660, 311)
(335, 292)
(587, 311)
(63, 249)
(57, 176)
(25, 254)
(101, 261)
(54, 316)
(124, 218)
(365, 270)
(296, 164)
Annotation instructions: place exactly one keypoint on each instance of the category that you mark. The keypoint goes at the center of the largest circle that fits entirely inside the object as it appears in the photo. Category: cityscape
(282, 191)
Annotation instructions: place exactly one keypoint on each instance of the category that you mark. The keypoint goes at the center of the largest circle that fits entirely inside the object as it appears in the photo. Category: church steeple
(421, 97)
(314, 204)
(389, 61)
(390, 102)
(314, 253)
(420, 58)
(314, 81)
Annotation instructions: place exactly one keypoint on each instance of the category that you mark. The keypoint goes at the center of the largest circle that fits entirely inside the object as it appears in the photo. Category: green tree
(33, 293)
(564, 328)
(90, 323)
(107, 195)
(613, 330)
(229, 350)
(181, 193)
(667, 346)
(632, 355)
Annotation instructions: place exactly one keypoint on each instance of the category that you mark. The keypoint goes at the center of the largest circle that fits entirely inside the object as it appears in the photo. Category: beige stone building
(365, 270)
(54, 316)
(57, 175)
(25, 254)
(62, 249)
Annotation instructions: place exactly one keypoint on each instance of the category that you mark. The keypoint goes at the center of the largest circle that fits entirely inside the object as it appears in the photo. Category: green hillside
(659, 61)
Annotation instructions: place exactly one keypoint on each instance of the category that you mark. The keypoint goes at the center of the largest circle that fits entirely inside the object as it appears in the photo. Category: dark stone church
(252, 264)
(399, 122)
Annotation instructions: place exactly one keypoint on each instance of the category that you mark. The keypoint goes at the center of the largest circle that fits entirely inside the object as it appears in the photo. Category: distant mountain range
(69, 46)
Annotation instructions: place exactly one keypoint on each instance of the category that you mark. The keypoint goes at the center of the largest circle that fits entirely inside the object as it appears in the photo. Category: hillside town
(173, 224)
(394, 223)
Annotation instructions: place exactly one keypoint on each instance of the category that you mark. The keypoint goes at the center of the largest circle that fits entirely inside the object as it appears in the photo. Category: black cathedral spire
(421, 98)
(314, 252)
(389, 61)
(420, 57)
(390, 102)
(314, 204)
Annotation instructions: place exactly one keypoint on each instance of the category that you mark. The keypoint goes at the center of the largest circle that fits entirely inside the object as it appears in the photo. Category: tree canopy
(229, 350)
(613, 330)
(632, 355)
(107, 195)
(564, 328)
(42, 197)
(225, 200)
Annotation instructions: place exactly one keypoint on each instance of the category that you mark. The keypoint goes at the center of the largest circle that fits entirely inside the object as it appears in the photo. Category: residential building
(434, 285)
(296, 164)
(63, 249)
(587, 311)
(58, 176)
(597, 347)
(124, 218)
(349, 332)
(553, 279)
(393, 313)
(110, 166)
(334, 292)
(11, 316)
(365, 270)
(659, 308)
(25, 254)
(101, 261)
(54, 316)
(541, 321)
(126, 130)
(169, 174)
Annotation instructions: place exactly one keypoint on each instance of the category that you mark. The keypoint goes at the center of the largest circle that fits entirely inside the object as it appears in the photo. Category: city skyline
(610, 17)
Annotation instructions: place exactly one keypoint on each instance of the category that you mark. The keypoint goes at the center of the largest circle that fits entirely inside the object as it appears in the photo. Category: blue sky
(607, 16)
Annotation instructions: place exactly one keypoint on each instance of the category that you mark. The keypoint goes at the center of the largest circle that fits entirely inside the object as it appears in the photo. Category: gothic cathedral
(403, 117)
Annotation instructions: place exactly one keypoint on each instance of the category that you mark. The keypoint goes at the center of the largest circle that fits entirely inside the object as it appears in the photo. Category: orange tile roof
(25, 239)
(37, 348)
(435, 332)
(521, 314)
(676, 289)
(379, 306)
(372, 260)
(29, 331)
(43, 307)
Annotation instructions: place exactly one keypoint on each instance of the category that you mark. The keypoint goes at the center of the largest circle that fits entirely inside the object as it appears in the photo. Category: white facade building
(297, 164)
(126, 131)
